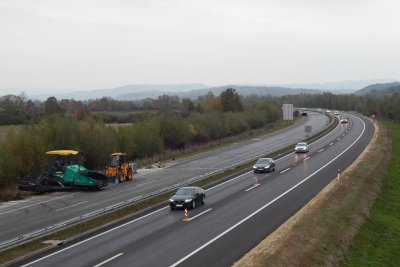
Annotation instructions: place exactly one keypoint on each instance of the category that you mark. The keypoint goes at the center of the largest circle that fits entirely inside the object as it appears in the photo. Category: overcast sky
(58, 46)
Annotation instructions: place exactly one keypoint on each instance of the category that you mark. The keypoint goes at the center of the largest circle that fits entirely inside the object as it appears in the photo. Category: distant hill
(242, 90)
(141, 90)
(380, 88)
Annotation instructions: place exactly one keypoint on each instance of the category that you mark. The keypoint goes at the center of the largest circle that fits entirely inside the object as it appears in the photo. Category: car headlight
(266, 167)
(254, 167)
(171, 200)
(188, 200)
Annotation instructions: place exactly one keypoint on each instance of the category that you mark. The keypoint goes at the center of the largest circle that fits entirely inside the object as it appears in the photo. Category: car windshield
(263, 161)
(185, 192)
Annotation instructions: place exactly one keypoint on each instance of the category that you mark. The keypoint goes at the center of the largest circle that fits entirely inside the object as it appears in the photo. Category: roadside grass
(378, 241)
(323, 231)
(128, 212)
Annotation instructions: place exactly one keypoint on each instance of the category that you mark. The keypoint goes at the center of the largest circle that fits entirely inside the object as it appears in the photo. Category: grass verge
(378, 241)
(322, 232)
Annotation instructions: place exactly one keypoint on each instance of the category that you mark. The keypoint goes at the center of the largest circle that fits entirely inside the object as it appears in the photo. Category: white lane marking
(194, 217)
(147, 215)
(319, 151)
(145, 183)
(266, 205)
(108, 260)
(306, 159)
(285, 170)
(339, 138)
(73, 205)
(343, 134)
(4, 212)
(254, 186)
(331, 144)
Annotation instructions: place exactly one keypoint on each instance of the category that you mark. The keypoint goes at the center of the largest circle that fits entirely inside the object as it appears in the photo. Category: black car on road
(264, 165)
(187, 197)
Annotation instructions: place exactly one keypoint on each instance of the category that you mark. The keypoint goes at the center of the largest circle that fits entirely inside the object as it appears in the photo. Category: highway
(237, 214)
(23, 217)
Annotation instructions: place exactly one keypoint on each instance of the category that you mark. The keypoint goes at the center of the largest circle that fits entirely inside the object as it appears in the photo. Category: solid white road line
(194, 217)
(73, 205)
(266, 205)
(285, 170)
(108, 260)
(35, 204)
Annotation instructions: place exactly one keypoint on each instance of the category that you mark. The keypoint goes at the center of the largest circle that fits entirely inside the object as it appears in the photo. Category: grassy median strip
(378, 241)
(132, 210)
(322, 232)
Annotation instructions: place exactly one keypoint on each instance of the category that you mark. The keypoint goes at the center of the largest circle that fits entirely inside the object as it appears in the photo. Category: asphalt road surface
(23, 217)
(237, 215)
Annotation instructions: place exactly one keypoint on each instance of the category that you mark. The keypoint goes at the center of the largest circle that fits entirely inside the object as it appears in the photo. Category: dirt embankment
(321, 232)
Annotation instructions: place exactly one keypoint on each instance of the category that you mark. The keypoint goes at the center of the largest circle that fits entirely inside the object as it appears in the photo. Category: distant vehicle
(187, 197)
(336, 112)
(303, 112)
(301, 147)
(120, 169)
(344, 120)
(328, 111)
(264, 165)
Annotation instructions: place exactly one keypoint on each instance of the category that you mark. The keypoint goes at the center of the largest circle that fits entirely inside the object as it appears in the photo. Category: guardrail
(82, 218)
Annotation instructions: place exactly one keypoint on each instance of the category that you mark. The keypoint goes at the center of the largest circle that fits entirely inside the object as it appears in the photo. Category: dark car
(264, 165)
(187, 197)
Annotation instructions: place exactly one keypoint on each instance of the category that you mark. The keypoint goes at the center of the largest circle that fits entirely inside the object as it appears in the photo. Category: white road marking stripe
(110, 259)
(254, 186)
(145, 183)
(37, 203)
(339, 138)
(306, 159)
(76, 204)
(285, 170)
(319, 151)
(194, 217)
(331, 144)
(266, 205)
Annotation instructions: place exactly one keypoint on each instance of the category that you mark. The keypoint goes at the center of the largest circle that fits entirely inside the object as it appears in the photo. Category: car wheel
(202, 201)
(255, 171)
(193, 204)
(172, 207)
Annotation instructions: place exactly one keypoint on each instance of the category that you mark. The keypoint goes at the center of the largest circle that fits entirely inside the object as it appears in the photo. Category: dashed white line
(339, 138)
(73, 205)
(194, 217)
(145, 183)
(319, 151)
(254, 186)
(285, 170)
(306, 159)
(108, 260)
(331, 144)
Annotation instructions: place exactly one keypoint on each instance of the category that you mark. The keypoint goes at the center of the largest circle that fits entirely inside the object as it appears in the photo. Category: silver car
(301, 147)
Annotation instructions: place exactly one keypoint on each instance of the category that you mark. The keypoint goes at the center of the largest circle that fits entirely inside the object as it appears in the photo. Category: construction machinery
(63, 174)
(120, 169)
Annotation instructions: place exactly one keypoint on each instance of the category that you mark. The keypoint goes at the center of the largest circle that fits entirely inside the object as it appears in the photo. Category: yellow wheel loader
(120, 168)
